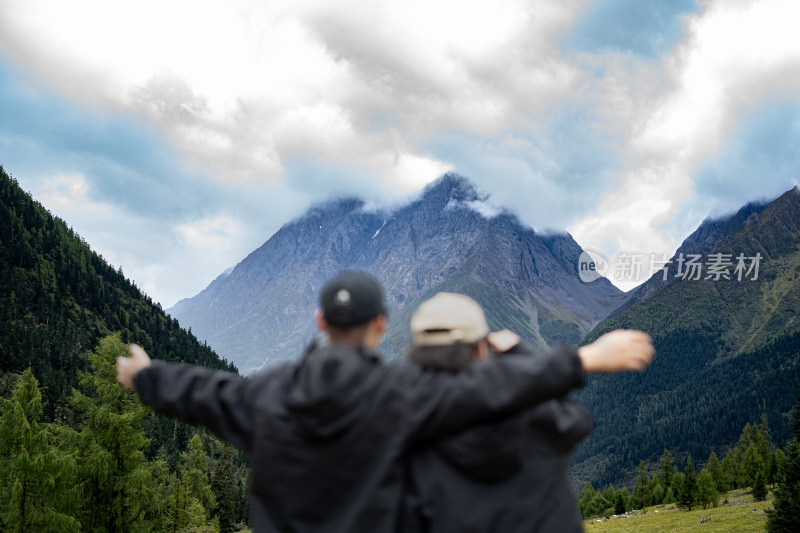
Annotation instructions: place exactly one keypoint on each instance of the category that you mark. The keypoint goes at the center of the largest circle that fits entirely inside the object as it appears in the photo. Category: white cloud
(167, 265)
(66, 195)
(208, 233)
(239, 87)
(243, 90)
(738, 55)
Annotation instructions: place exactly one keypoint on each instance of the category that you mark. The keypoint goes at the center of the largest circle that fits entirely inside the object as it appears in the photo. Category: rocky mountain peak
(450, 187)
(449, 239)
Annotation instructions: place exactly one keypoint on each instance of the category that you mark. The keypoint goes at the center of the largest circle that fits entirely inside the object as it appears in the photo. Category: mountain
(449, 239)
(728, 350)
(701, 241)
(58, 299)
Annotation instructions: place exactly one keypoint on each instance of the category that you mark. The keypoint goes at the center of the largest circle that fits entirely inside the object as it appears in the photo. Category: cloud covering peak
(624, 122)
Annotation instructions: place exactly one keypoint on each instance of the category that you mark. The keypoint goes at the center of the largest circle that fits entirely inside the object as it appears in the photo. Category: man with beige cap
(327, 434)
(508, 475)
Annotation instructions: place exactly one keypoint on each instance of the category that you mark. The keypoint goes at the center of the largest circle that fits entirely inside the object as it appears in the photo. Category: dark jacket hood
(326, 393)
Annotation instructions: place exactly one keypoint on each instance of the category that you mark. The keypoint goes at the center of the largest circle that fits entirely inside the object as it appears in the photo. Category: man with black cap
(327, 434)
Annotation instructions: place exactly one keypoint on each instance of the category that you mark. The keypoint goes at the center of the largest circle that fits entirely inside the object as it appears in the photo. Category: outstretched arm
(445, 403)
(620, 350)
(197, 395)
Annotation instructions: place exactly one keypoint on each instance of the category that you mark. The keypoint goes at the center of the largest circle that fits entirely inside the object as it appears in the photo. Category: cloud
(238, 88)
(759, 161)
(209, 232)
(625, 122)
(738, 57)
(645, 27)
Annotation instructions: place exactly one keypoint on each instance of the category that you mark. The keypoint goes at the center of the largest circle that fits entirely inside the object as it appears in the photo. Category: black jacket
(327, 434)
(508, 477)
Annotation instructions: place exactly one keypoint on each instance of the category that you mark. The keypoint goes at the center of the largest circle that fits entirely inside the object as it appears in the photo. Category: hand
(127, 367)
(618, 351)
(502, 341)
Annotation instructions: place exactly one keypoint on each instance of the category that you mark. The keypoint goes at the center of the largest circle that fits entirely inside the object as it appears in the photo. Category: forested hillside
(728, 351)
(59, 301)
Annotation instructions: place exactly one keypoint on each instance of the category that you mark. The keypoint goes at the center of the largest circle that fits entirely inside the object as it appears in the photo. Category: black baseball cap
(351, 298)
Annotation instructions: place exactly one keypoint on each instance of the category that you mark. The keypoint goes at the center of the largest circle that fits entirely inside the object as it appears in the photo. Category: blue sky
(177, 137)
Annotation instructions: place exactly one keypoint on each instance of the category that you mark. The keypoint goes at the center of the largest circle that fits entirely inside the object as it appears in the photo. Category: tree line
(753, 462)
(97, 477)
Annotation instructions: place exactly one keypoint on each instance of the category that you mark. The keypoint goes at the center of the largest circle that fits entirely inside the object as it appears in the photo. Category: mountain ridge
(449, 238)
(714, 369)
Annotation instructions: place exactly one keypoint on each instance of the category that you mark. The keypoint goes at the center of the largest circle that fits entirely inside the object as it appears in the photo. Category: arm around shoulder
(444, 403)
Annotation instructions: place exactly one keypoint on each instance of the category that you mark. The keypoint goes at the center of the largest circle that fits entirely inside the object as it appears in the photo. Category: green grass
(741, 514)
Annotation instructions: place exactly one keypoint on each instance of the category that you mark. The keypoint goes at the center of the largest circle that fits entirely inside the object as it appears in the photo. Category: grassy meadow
(741, 514)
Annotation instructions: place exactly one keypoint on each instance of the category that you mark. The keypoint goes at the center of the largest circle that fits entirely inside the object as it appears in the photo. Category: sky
(177, 137)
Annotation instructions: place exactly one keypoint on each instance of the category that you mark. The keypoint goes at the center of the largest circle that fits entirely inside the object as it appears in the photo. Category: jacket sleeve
(565, 421)
(217, 400)
(441, 403)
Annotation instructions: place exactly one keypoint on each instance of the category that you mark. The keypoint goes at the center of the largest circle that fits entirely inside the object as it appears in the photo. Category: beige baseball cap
(448, 318)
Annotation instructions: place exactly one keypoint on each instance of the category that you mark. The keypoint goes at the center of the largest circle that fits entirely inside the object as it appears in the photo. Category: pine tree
(785, 514)
(687, 492)
(717, 473)
(224, 487)
(731, 470)
(163, 484)
(765, 447)
(706, 490)
(609, 493)
(666, 469)
(760, 486)
(197, 474)
(657, 492)
(780, 465)
(752, 464)
(619, 503)
(38, 481)
(641, 491)
(796, 415)
(677, 485)
(117, 482)
(588, 494)
(177, 518)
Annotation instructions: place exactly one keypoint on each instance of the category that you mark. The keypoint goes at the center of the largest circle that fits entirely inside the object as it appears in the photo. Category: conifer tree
(731, 470)
(588, 494)
(619, 503)
(717, 473)
(706, 490)
(760, 486)
(677, 485)
(657, 494)
(177, 518)
(197, 474)
(641, 491)
(752, 464)
(117, 482)
(224, 487)
(780, 465)
(37, 484)
(687, 492)
(785, 513)
(666, 469)
(795, 424)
